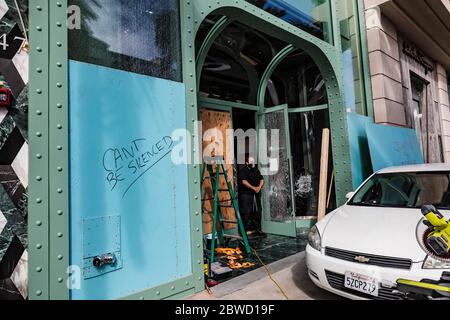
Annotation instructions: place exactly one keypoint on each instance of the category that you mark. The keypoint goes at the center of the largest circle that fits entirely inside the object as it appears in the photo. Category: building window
(297, 82)
(141, 36)
(418, 87)
(236, 62)
(352, 57)
(312, 16)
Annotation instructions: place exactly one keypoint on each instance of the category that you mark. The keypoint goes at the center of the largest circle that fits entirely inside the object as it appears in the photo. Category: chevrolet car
(361, 249)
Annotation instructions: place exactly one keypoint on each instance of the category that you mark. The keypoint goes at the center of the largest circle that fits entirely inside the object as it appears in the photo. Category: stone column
(385, 68)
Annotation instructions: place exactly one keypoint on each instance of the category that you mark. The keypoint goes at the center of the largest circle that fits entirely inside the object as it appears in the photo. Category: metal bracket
(102, 251)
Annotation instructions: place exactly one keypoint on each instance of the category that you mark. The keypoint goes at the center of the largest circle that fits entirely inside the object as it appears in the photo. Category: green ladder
(218, 204)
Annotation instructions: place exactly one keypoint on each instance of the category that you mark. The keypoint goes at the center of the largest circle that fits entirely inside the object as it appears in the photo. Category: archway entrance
(253, 76)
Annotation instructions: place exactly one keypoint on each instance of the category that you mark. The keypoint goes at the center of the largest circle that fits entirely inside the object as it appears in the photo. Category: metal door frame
(271, 227)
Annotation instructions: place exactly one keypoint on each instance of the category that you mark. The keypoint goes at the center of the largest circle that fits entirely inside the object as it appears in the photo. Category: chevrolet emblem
(362, 259)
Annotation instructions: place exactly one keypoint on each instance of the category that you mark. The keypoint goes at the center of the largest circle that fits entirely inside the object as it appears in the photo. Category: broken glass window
(141, 36)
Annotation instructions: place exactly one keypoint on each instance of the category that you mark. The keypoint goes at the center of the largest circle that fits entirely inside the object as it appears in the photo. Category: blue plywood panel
(359, 148)
(120, 144)
(393, 146)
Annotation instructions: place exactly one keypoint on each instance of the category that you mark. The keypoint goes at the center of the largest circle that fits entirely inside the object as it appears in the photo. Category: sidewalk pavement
(290, 273)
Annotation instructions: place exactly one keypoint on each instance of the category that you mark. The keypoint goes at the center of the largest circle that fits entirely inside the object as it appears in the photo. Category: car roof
(417, 168)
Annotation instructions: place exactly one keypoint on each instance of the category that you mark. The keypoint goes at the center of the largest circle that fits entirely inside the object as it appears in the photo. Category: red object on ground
(5, 97)
(211, 283)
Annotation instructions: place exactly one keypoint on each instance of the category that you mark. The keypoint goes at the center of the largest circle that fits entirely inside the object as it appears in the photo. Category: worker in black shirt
(250, 184)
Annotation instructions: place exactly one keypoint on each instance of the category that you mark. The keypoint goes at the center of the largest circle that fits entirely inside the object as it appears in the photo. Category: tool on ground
(438, 237)
(425, 289)
(218, 269)
(214, 178)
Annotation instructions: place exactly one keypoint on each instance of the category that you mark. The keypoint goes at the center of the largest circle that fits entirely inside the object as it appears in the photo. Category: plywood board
(217, 145)
(324, 160)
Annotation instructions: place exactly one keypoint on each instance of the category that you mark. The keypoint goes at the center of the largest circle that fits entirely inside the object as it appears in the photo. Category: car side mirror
(349, 195)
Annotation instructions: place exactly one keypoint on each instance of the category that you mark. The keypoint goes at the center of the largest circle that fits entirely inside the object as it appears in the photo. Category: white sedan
(361, 249)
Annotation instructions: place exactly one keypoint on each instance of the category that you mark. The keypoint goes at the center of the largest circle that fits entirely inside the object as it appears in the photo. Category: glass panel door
(275, 163)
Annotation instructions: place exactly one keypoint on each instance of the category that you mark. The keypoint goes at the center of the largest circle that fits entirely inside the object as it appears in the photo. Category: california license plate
(361, 283)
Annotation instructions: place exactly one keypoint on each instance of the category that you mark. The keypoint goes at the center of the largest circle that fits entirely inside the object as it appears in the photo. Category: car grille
(336, 281)
(312, 273)
(374, 260)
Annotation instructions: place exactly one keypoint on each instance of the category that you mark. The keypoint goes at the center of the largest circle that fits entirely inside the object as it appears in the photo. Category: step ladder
(214, 179)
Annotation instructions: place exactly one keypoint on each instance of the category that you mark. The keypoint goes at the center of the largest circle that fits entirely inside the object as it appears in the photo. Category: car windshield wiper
(442, 208)
(378, 205)
(367, 204)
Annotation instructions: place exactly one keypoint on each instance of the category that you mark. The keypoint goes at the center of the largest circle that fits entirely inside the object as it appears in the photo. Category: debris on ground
(235, 257)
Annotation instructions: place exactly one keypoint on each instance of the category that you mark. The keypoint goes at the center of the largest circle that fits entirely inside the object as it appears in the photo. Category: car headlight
(314, 239)
(433, 263)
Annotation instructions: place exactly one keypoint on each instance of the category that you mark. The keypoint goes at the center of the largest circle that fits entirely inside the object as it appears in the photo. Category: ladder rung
(221, 201)
(231, 236)
(216, 159)
(226, 206)
(229, 221)
(223, 190)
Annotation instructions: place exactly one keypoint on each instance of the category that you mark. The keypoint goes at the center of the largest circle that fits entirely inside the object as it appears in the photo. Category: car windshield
(406, 189)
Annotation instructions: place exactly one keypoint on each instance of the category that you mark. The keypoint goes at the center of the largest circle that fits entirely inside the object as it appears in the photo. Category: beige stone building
(409, 57)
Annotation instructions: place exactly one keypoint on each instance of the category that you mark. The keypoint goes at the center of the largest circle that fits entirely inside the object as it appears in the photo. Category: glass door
(275, 163)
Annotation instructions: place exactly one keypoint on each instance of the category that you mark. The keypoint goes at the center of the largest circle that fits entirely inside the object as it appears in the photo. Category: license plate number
(362, 283)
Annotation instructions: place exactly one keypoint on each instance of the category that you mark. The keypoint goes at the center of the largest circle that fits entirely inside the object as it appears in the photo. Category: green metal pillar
(38, 192)
(59, 151)
(49, 146)
(188, 24)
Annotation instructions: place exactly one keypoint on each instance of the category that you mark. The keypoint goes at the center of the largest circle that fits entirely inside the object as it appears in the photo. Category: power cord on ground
(269, 273)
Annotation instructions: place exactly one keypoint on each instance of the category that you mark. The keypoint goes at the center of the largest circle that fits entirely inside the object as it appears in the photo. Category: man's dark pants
(249, 216)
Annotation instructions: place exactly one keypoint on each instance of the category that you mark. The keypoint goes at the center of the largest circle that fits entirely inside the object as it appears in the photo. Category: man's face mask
(251, 163)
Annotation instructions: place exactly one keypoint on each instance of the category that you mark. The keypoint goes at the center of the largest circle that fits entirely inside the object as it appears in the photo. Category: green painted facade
(49, 131)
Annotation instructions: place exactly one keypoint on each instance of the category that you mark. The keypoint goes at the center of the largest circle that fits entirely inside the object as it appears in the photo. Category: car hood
(387, 232)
